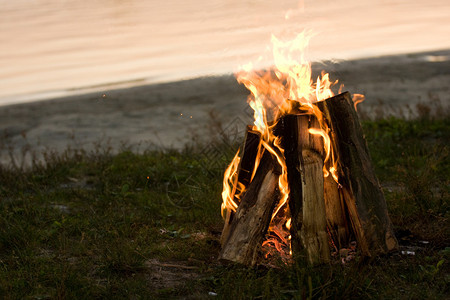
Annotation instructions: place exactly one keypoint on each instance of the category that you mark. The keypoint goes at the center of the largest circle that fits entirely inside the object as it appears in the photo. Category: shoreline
(17, 99)
(173, 114)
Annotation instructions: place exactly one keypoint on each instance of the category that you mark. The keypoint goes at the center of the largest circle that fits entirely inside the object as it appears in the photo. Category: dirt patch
(169, 275)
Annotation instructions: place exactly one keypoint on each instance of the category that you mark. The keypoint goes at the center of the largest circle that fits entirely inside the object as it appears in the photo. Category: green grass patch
(144, 226)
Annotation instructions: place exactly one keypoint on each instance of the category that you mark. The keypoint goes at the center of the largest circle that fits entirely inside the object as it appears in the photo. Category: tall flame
(229, 185)
(289, 79)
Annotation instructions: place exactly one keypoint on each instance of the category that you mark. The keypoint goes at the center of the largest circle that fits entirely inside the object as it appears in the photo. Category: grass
(142, 226)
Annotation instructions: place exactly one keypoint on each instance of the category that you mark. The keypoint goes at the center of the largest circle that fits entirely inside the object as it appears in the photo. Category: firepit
(303, 184)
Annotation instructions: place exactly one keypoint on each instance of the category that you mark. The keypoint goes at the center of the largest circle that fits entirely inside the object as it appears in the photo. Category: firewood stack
(323, 211)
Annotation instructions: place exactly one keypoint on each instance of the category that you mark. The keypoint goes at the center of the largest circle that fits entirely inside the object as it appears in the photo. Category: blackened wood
(247, 163)
(287, 129)
(363, 196)
(245, 171)
(252, 217)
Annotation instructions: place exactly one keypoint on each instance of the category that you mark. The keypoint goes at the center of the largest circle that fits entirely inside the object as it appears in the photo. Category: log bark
(337, 222)
(314, 235)
(304, 154)
(287, 128)
(245, 171)
(252, 217)
(361, 191)
(247, 164)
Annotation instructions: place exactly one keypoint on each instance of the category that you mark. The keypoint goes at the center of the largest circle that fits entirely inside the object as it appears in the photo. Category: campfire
(302, 185)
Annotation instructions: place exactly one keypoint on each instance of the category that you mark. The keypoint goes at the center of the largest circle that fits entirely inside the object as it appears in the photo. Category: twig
(175, 266)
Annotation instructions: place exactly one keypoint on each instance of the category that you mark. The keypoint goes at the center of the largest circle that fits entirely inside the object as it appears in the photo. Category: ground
(93, 224)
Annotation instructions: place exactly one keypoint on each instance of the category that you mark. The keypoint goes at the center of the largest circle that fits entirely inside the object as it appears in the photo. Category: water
(51, 48)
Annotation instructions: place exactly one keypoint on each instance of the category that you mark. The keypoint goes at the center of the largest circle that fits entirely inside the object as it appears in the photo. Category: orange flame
(282, 179)
(358, 98)
(230, 185)
(327, 146)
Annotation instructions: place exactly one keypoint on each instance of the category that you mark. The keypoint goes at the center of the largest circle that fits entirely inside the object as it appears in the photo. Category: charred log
(252, 217)
(245, 171)
(304, 159)
(361, 190)
(337, 220)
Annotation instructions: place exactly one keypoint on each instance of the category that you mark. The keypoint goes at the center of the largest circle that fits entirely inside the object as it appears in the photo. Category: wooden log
(337, 222)
(361, 191)
(287, 128)
(334, 211)
(314, 228)
(247, 163)
(314, 235)
(304, 154)
(245, 171)
(252, 217)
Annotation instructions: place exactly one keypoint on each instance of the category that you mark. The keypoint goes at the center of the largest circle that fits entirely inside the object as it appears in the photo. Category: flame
(230, 185)
(288, 223)
(273, 92)
(358, 98)
(282, 179)
(334, 174)
(326, 139)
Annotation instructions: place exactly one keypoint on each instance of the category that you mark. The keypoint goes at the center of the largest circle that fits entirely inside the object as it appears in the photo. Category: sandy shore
(169, 115)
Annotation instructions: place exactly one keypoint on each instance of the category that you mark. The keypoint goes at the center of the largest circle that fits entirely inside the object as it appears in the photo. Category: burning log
(361, 191)
(304, 160)
(247, 164)
(337, 219)
(314, 227)
(245, 233)
(331, 185)
(245, 172)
